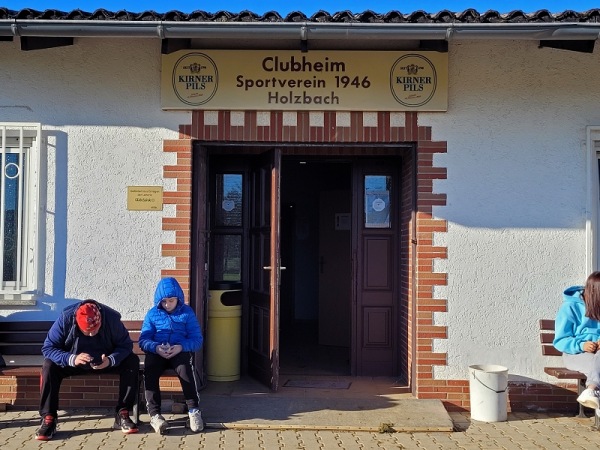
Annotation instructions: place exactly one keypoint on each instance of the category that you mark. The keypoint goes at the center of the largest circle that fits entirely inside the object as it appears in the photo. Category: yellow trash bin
(223, 335)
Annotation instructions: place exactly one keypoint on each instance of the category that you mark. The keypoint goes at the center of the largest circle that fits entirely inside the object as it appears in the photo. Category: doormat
(318, 384)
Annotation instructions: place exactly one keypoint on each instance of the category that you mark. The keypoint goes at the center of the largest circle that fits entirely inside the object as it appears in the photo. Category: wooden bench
(21, 348)
(562, 373)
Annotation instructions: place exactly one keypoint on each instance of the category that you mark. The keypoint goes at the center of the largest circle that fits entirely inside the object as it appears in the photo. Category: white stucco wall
(104, 128)
(516, 198)
(516, 186)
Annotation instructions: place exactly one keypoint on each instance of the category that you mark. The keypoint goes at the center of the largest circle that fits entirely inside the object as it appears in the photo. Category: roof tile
(369, 16)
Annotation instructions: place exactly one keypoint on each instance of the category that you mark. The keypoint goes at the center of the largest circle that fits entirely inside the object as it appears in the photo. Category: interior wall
(304, 196)
(301, 186)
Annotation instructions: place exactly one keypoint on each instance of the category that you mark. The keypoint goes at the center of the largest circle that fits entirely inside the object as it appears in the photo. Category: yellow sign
(144, 198)
(316, 80)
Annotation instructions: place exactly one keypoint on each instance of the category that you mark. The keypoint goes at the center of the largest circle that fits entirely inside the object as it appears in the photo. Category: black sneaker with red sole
(47, 428)
(124, 422)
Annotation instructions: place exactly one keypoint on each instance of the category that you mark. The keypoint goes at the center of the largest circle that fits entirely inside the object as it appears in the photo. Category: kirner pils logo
(195, 79)
(413, 80)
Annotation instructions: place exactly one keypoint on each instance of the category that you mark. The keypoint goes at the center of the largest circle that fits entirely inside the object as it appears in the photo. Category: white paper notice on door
(377, 209)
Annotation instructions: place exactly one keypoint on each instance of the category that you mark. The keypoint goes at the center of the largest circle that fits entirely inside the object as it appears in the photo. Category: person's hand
(174, 350)
(103, 365)
(590, 347)
(167, 351)
(163, 350)
(82, 359)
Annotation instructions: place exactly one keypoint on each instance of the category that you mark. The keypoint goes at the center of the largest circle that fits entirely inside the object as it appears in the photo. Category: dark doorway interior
(315, 302)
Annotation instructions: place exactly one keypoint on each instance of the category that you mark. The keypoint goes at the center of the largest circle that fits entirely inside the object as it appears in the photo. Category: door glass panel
(228, 209)
(227, 266)
(227, 229)
(378, 189)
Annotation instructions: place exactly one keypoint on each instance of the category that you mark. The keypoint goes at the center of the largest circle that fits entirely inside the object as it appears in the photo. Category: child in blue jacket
(170, 335)
(577, 335)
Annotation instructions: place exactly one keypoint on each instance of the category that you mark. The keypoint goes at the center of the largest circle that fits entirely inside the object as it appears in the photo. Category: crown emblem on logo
(195, 68)
(412, 69)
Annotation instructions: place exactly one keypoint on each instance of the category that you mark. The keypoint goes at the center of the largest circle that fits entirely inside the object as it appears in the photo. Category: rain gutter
(304, 30)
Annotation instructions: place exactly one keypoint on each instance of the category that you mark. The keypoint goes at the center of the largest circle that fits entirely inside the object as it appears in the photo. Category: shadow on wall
(44, 310)
(57, 300)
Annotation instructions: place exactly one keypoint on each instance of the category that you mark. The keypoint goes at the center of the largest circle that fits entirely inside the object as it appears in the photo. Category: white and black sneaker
(159, 424)
(195, 421)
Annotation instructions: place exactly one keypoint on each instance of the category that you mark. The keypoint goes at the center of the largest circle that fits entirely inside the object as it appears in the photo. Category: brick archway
(340, 127)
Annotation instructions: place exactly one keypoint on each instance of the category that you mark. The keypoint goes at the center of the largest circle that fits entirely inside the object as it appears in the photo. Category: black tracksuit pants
(183, 364)
(53, 374)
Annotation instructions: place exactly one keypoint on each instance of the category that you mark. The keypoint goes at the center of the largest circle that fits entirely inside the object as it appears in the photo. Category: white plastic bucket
(488, 385)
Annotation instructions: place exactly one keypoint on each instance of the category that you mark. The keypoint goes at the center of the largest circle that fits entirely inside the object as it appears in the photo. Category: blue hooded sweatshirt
(178, 327)
(572, 327)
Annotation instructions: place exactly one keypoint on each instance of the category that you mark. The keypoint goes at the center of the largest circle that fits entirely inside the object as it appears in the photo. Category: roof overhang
(334, 35)
(307, 30)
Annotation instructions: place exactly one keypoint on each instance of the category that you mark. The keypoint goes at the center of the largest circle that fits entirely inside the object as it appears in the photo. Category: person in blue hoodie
(170, 335)
(577, 336)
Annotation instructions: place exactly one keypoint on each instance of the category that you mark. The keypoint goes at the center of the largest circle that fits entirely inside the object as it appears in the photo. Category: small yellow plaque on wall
(144, 198)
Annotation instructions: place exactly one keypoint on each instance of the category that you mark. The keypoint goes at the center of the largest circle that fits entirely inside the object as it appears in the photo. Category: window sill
(17, 300)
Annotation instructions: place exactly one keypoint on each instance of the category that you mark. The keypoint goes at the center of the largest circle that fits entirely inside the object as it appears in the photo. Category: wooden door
(265, 269)
(376, 246)
(199, 280)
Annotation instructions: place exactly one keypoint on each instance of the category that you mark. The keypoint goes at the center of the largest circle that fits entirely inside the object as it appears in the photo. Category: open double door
(370, 296)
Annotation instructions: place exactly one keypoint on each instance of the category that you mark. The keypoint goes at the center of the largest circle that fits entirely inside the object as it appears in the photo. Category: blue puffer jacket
(62, 343)
(178, 327)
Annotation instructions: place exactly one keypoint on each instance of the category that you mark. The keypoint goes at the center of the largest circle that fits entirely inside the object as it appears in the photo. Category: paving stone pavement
(93, 430)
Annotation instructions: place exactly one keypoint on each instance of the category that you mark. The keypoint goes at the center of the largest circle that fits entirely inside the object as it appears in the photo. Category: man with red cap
(88, 337)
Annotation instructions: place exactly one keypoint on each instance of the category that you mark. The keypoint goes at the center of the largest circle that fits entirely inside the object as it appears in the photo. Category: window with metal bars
(19, 200)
